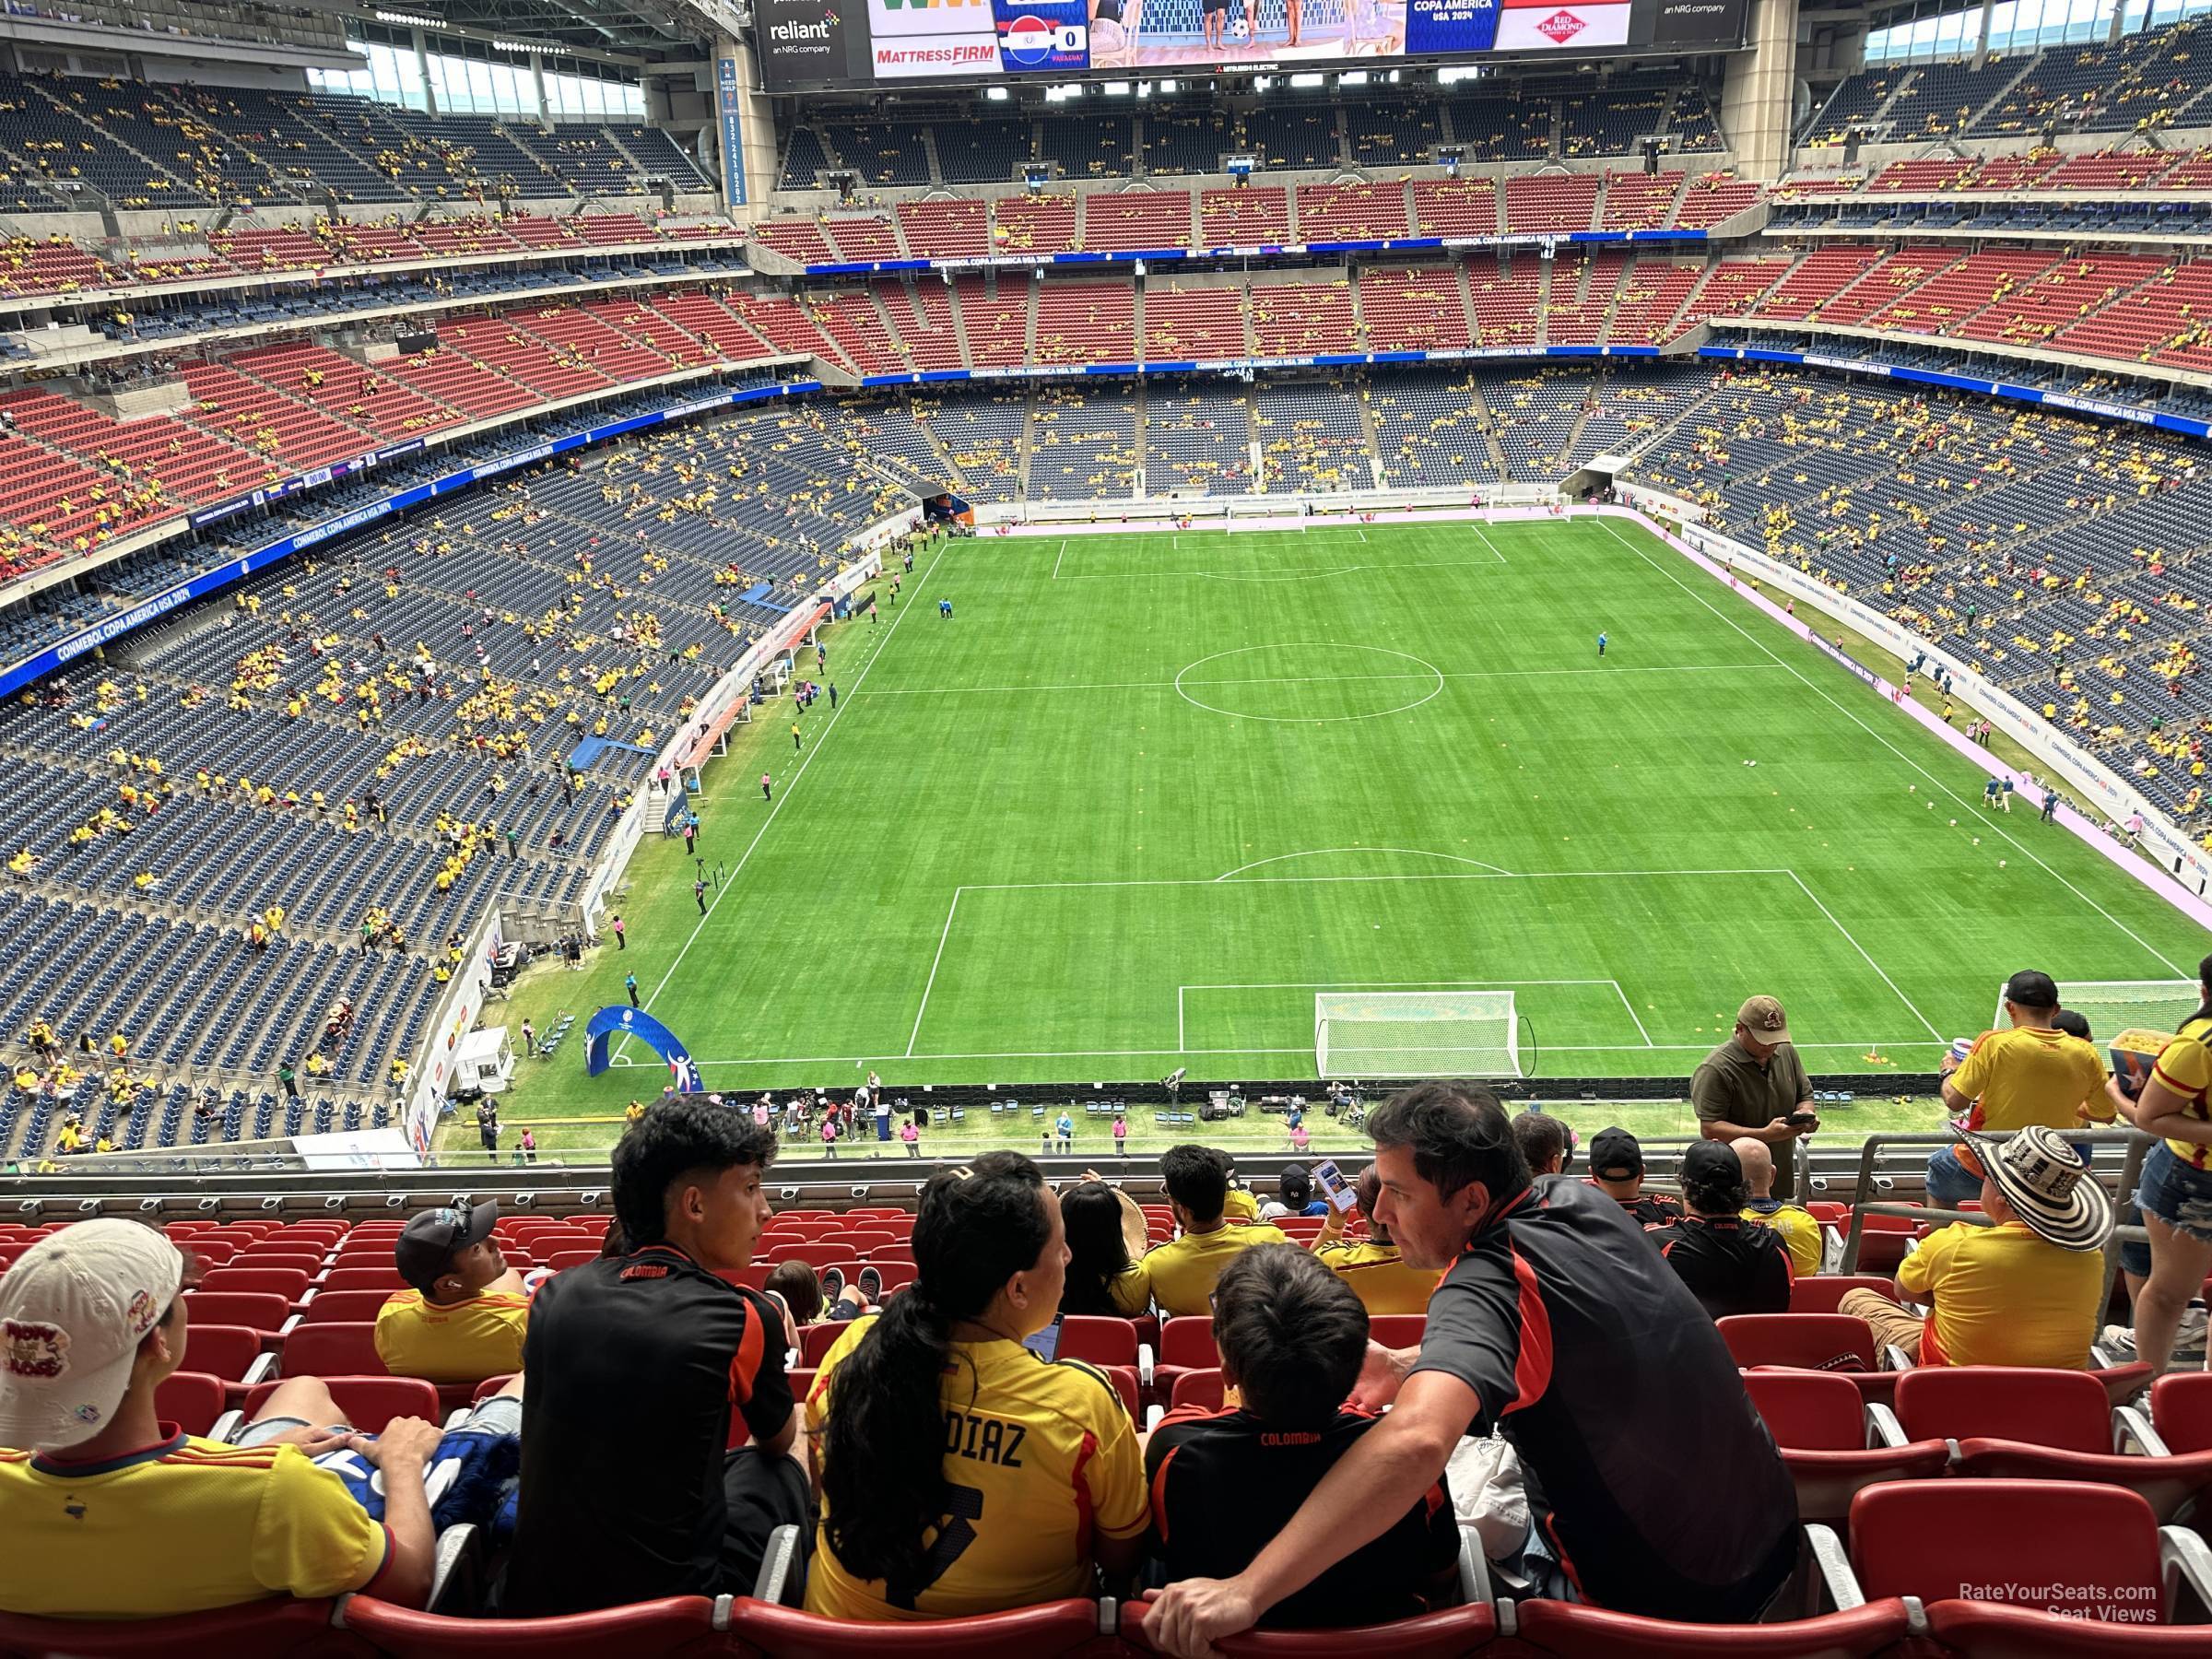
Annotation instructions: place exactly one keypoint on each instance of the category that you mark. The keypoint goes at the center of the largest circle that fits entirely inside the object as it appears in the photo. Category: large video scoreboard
(818, 45)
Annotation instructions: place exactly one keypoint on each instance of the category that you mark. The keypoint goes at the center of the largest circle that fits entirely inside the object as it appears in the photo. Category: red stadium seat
(263, 1629)
(367, 1403)
(1809, 1341)
(352, 1306)
(287, 1282)
(1820, 1292)
(676, 1626)
(257, 1310)
(1567, 1631)
(2065, 1410)
(816, 1340)
(359, 1277)
(1200, 1388)
(2098, 1546)
(2180, 1409)
(228, 1351)
(1124, 1378)
(284, 1259)
(1882, 1242)
(763, 1630)
(885, 1255)
(1829, 1445)
(1101, 1341)
(562, 1260)
(1446, 1635)
(216, 1253)
(816, 1255)
(2017, 1423)
(802, 1382)
(1399, 1330)
(192, 1400)
(1186, 1343)
(338, 1349)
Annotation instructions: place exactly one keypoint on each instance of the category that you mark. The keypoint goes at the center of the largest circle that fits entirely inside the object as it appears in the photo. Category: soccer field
(1144, 796)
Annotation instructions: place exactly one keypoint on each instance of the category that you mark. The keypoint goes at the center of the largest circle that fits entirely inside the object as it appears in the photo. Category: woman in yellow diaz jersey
(961, 1472)
(2175, 1192)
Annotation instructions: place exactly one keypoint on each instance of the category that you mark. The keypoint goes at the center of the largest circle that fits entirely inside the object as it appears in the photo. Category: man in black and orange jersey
(1293, 1338)
(637, 1360)
(1731, 1265)
(1549, 1298)
(91, 1321)
(1617, 1171)
(464, 1317)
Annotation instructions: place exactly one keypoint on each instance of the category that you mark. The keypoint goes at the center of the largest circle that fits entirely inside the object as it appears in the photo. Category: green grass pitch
(1144, 795)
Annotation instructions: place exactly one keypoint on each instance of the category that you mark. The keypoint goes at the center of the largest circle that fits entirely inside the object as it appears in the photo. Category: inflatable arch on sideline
(616, 1020)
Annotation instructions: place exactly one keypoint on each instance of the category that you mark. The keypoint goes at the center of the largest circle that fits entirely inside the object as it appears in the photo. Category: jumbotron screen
(821, 45)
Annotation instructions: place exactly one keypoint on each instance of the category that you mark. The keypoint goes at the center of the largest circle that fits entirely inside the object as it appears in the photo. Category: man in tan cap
(1754, 1084)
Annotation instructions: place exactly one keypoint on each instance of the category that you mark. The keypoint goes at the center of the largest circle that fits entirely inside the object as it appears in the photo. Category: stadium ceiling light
(408, 20)
(518, 46)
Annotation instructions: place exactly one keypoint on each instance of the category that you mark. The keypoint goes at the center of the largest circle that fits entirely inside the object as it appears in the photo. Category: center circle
(1309, 684)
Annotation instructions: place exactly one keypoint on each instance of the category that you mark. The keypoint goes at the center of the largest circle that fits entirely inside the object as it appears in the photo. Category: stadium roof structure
(635, 31)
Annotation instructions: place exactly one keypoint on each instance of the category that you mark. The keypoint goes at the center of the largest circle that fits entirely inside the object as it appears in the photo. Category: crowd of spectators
(942, 1461)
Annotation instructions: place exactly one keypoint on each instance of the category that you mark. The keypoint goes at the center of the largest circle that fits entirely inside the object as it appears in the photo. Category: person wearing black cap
(464, 1315)
(2031, 1074)
(1617, 1171)
(1731, 1265)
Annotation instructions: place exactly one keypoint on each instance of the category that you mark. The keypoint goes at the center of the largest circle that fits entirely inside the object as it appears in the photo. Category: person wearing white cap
(2027, 1289)
(92, 1319)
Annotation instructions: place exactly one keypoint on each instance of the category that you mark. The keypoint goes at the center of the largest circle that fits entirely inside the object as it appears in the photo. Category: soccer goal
(2114, 1006)
(1415, 1034)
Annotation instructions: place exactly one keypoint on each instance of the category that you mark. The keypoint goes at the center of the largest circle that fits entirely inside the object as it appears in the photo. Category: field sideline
(1142, 796)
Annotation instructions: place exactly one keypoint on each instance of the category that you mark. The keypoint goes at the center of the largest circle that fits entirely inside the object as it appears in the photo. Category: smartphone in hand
(1331, 1181)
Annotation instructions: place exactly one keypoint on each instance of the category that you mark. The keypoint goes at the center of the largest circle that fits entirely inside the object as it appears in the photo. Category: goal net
(1415, 1034)
(2113, 1007)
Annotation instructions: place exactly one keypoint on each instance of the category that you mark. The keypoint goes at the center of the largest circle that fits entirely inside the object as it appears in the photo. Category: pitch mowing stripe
(1851, 714)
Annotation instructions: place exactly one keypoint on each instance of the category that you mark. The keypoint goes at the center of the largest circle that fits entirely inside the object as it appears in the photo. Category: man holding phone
(1754, 1084)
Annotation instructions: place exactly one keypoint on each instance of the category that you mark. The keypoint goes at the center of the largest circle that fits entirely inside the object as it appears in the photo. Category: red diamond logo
(1562, 26)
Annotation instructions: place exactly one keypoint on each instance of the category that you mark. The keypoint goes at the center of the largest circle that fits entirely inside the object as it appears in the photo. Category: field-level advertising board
(1415, 1034)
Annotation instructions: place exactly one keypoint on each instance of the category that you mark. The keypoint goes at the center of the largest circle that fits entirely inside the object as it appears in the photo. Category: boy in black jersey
(1292, 1336)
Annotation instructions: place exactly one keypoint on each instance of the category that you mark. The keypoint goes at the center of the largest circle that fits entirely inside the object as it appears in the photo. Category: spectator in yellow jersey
(2029, 1072)
(464, 1316)
(2027, 1289)
(1241, 1203)
(1183, 1271)
(1372, 1266)
(2175, 1192)
(933, 1420)
(1800, 1228)
(95, 1321)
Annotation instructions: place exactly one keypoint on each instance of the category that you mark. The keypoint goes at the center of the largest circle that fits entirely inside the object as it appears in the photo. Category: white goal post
(1415, 1034)
(2113, 1007)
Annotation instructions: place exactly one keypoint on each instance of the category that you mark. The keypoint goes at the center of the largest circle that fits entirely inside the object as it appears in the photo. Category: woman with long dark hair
(1101, 1280)
(960, 1472)
(2175, 1190)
